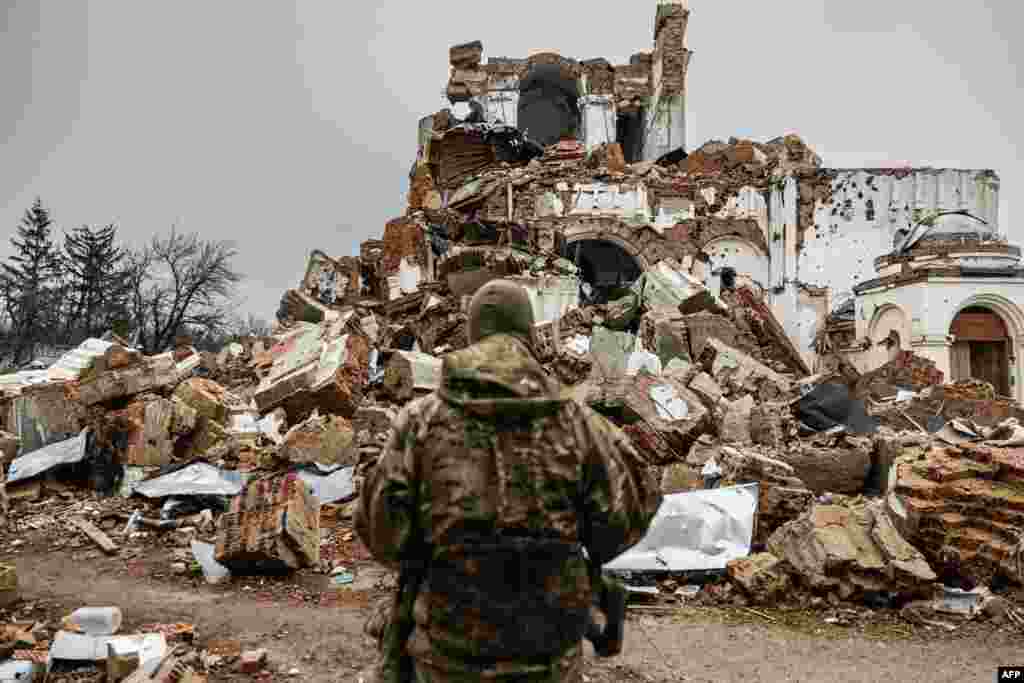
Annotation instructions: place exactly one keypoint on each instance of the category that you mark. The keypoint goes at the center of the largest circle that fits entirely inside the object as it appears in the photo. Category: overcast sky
(289, 126)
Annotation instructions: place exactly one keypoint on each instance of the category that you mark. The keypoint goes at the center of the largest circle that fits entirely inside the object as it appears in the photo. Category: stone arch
(750, 261)
(888, 318)
(889, 333)
(1012, 318)
(645, 245)
(1011, 313)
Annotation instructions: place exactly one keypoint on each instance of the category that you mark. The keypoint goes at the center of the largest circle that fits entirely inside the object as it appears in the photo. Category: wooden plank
(95, 535)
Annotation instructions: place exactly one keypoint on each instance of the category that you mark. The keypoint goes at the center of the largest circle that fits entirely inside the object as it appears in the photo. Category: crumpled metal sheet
(695, 531)
(199, 479)
(65, 452)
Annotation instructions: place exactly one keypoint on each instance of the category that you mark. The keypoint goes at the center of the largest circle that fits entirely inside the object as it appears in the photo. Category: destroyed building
(583, 161)
(693, 297)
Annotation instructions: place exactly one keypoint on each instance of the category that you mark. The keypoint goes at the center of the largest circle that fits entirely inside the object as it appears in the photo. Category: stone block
(841, 470)
(667, 284)
(153, 373)
(744, 465)
(273, 524)
(735, 427)
(664, 333)
(957, 512)
(205, 396)
(545, 341)
(704, 325)
(738, 372)
(328, 440)
(762, 576)
(907, 562)
(145, 432)
(42, 415)
(707, 388)
(852, 549)
(407, 373)
(466, 55)
(771, 424)
(9, 444)
(779, 505)
(664, 417)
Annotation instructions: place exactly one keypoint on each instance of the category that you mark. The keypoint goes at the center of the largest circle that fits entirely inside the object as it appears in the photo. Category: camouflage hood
(498, 375)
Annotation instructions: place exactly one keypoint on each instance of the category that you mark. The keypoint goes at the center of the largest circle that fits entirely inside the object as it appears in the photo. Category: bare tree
(181, 283)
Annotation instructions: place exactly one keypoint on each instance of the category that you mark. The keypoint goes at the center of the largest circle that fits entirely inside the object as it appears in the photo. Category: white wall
(500, 105)
(665, 122)
(741, 255)
(859, 223)
(599, 121)
(931, 307)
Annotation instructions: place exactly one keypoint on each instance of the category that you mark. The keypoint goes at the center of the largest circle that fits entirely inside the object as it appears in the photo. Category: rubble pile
(264, 443)
(964, 506)
(852, 549)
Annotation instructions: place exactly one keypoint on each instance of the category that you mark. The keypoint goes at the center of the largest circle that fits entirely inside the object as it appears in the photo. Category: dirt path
(327, 644)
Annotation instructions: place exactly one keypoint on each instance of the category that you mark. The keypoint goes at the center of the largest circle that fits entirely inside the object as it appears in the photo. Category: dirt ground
(324, 639)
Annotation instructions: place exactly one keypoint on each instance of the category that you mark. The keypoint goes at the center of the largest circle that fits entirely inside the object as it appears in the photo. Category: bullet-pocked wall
(827, 228)
(859, 221)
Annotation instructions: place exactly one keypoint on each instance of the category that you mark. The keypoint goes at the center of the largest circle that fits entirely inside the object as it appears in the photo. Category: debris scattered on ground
(249, 460)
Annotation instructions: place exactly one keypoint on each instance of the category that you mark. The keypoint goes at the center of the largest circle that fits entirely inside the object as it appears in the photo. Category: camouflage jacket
(497, 481)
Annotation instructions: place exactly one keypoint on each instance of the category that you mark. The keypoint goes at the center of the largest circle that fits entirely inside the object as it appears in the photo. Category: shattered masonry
(686, 296)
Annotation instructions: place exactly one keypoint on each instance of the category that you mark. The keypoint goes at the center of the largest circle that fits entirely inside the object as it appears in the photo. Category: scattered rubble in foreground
(845, 506)
(835, 491)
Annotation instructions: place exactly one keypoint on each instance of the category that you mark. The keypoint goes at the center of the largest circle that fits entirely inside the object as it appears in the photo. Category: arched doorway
(606, 268)
(982, 348)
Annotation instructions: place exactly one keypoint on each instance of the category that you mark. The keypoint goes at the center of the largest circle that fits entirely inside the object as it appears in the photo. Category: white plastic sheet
(35, 463)
(213, 571)
(695, 531)
(333, 487)
(199, 479)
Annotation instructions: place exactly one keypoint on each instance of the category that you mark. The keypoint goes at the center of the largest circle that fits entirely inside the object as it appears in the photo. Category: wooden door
(988, 363)
(960, 361)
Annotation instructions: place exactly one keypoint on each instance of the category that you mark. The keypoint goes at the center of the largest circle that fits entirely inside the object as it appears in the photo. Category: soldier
(499, 501)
